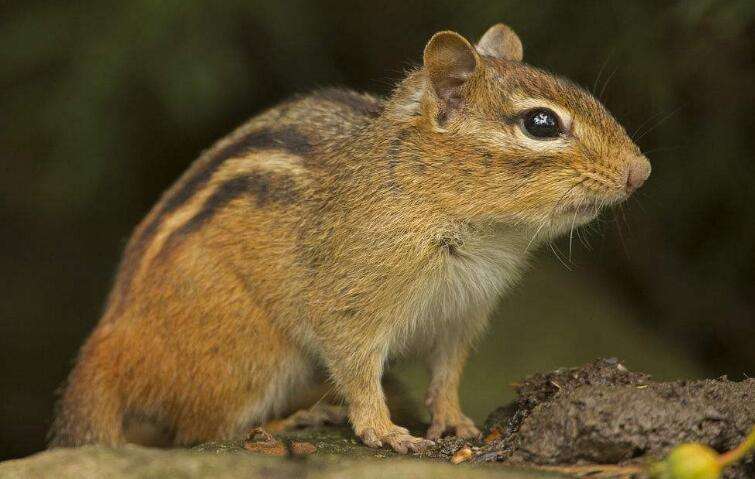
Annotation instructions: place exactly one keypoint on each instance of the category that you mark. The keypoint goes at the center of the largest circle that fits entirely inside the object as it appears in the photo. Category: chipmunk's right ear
(502, 42)
(450, 60)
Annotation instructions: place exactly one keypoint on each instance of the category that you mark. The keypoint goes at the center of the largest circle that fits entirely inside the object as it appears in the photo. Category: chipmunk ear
(450, 60)
(502, 42)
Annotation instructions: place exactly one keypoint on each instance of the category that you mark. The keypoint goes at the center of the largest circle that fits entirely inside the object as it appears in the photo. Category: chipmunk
(335, 231)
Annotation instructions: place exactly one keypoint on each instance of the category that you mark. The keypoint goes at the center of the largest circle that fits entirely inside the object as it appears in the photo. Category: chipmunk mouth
(589, 206)
(585, 209)
(572, 216)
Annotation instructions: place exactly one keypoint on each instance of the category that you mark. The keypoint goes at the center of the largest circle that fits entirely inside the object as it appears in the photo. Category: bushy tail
(89, 412)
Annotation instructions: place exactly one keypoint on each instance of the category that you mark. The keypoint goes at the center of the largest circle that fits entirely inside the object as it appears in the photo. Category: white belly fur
(459, 292)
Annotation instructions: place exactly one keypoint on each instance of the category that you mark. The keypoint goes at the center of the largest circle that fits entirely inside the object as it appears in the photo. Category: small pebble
(268, 449)
(302, 448)
(262, 442)
(495, 434)
(463, 454)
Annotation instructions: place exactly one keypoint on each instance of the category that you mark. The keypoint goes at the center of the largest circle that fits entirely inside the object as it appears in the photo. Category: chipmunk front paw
(397, 438)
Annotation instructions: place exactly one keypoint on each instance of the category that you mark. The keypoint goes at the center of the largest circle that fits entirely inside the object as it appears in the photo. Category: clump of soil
(603, 413)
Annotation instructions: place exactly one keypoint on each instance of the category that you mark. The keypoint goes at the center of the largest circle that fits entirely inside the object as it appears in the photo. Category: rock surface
(602, 413)
(599, 413)
(221, 461)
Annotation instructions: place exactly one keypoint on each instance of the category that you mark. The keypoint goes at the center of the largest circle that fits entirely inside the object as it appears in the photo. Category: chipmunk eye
(542, 123)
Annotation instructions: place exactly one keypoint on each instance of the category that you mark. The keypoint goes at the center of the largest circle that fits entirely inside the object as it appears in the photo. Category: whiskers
(555, 251)
(600, 74)
(639, 132)
(623, 224)
(573, 217)
(548, 219)
(597, 208)
(571, 227)
(537, 231)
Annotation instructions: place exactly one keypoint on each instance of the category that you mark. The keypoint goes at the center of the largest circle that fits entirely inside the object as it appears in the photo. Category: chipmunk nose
(638, 170)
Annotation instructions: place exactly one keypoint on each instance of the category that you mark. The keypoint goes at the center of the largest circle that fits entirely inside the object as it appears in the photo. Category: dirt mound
(603, 413)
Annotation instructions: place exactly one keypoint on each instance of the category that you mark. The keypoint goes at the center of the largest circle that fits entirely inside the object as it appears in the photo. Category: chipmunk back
(335, 231)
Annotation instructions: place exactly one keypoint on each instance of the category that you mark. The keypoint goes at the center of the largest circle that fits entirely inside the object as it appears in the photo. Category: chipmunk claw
(370, 438)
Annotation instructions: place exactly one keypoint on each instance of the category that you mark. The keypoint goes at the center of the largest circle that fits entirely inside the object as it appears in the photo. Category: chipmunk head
(514, 143)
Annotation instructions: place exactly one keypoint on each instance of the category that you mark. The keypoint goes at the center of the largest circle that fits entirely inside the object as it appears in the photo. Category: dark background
(103, 104)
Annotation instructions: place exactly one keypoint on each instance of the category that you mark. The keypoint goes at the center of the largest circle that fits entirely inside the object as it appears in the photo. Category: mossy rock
(338, 455)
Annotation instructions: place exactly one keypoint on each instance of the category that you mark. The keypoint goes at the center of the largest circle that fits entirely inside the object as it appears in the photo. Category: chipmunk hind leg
(316, 405)
(321, 405)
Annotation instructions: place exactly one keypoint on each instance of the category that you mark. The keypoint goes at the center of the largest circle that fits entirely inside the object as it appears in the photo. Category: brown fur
(335, 231)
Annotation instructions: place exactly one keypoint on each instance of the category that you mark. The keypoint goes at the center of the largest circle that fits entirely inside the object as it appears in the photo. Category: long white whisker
(558, 256)
(583, 239)
(535, 235)
(600, 72)
(571, 229)
(658, 123)
(550, 214)
(608, 80)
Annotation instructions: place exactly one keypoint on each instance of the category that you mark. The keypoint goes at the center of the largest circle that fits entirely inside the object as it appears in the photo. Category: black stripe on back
(287, 139)
(263, 188)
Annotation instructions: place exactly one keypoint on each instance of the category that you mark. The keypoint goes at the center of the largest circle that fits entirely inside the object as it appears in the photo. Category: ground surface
(338, 456)
(600, 413)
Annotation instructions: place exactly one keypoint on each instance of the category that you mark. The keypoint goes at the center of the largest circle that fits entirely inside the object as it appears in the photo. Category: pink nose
(637, 172)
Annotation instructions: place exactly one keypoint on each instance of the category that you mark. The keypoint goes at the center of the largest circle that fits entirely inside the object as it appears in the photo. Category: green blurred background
(103, 104)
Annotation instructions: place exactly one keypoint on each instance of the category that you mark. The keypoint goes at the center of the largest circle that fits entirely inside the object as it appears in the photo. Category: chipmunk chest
(465, 281)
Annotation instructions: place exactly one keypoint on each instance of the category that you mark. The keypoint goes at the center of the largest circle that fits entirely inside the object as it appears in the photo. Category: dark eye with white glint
(542, 123)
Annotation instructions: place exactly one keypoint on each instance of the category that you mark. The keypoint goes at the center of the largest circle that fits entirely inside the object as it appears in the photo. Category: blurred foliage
(105, 103)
